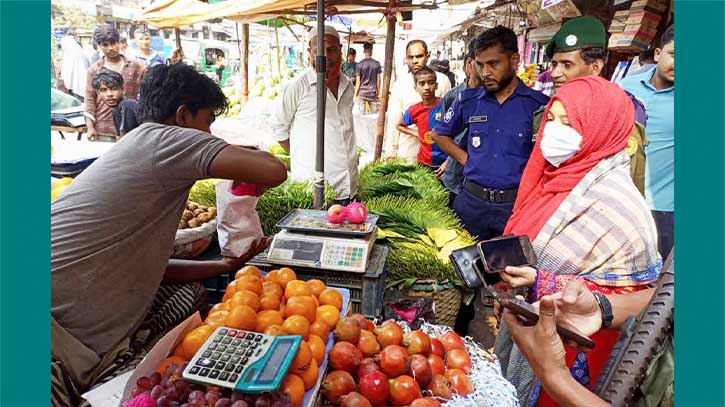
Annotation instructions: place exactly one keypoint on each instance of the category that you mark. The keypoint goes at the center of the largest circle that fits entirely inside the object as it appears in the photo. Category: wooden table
(60, 129)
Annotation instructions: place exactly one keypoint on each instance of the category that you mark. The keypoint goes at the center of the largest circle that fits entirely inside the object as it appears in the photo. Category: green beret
(577, 33)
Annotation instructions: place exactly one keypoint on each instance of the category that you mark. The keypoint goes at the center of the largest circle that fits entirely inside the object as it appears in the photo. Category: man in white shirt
(295, 120)
(402, 96)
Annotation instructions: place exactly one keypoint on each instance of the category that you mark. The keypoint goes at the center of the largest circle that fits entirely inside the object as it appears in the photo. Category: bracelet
(606, 307)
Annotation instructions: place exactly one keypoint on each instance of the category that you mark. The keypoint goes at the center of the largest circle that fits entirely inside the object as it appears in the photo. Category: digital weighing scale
(308, 240)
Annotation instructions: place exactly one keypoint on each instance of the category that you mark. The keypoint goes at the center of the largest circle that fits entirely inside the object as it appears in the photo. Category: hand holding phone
(505, 251)
(517, 277)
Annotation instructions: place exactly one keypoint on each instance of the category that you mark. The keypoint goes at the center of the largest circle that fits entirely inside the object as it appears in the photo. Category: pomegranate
(460, 383)
(374, 387)
(364, 322)
(368, 343)
(425, 402)
(354, 399)
(421, 369)
(366, 366)
(458, 359)
(436, 347)
(440, 386)
(347, 330)
(336, 214)
(389, 333)
(403, 390)
(356, 212)
(437, 365)
(417, 342)
(345, 356)
(451, 340)
(394, 361)
(337, 384)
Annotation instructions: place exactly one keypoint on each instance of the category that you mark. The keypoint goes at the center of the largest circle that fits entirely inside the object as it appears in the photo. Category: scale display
(327, 252)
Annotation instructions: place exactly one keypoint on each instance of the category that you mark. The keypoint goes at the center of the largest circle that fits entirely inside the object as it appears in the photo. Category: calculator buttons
(233, 378)
(250, 335)
(226, 357)
(206, 354)
(258, 338)
(214, 374)
(204, 372)
(216, 355)
(236, 359)
(239, 351)
(218, 339)
(194, 370)
(222, 348)
(232, 333)
(236, 342)
(212, 346)
(245, 360)
(223, 331)
(229, 368)
(250, 352)
(227, 340)
(224, 376)
(203, 362)
(239, 369)
(220, 365)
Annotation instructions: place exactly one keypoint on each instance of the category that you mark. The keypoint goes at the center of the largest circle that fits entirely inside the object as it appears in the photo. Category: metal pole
(244, 62)
(320, 65)
(383, 108)
(276, 43)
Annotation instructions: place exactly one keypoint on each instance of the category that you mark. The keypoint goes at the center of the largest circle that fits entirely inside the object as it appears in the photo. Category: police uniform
(586, 32)
(500, 141)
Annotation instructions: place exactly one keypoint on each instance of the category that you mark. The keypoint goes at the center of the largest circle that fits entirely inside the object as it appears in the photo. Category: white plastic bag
(238, 224)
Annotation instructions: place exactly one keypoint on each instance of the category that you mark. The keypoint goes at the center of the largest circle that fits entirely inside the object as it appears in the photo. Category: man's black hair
(424, 71)
(368, 46)
(165, 88)
(124, 40)
(413, 42)
(471, 49)
(501, 36)
(351, 51)
(668, 36)
(106, 33)
(589, 55)
(647, 55)
(107, 78)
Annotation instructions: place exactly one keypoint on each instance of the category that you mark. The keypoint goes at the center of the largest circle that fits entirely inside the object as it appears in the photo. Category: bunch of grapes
(170, 390)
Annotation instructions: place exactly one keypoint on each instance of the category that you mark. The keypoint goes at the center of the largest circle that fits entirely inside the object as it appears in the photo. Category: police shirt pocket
(477, 135)
(521, 142)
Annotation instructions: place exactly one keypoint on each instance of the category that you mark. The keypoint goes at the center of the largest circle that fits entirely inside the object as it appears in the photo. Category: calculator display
(271, 368)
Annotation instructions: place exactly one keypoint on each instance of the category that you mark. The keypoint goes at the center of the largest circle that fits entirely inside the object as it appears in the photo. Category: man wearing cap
(349, 66)
(295, 119)
(403, 95)
(579, 49)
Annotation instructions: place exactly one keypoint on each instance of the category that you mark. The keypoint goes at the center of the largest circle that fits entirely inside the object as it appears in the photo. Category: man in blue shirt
(500, 135)
(656, 89)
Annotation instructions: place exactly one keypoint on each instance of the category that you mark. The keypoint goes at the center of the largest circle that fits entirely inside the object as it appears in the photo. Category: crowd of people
(585, 172)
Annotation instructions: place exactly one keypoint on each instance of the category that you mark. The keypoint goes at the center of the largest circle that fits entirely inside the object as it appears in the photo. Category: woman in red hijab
(584, 216)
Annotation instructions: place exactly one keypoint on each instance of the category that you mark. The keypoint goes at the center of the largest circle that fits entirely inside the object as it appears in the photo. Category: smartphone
(530, 315)
(504, 251)
(467, 262)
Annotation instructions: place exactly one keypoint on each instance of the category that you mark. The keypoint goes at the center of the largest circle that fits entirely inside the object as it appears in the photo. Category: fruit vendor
(295, 120)
(579, 49)
(113, 228)
(500, 135)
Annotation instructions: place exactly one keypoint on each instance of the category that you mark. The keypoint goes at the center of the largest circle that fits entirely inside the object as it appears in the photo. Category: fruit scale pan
(313, 221)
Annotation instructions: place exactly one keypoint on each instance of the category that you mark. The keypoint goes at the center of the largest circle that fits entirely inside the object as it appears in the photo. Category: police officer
(579, 49)
(500, 135)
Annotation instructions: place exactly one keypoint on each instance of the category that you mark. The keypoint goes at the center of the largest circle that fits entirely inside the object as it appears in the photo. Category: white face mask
(559, 143)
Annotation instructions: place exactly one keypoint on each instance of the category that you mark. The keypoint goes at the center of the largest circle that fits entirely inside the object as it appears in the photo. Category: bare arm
(285, 145)
(377, 86)
(90, 105)
(249, 166)
(450, 147)
(406, 130)
(563, 388)
(357, 85)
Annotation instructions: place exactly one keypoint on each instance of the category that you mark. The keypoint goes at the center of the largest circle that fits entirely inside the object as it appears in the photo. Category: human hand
(517, 277)
(577, 307)
(428, 137)
(258, 246)
(442, 169)
(92, 134)
(540, 344)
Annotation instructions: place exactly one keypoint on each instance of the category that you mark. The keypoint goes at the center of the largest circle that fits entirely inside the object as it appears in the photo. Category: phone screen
(503, 252)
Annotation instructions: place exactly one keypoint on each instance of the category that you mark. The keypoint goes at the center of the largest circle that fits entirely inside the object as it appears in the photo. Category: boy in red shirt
(425, 115)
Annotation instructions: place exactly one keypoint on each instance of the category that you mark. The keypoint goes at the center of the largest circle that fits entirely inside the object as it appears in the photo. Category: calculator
(244, 361)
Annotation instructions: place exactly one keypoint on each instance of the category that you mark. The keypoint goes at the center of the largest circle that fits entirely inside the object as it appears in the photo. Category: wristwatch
(606, 307)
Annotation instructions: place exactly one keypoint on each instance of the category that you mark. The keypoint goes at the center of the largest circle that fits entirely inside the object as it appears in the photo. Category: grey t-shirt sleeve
(185, 155)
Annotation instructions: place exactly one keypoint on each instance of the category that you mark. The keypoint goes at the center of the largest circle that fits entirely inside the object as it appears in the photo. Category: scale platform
(308, 240)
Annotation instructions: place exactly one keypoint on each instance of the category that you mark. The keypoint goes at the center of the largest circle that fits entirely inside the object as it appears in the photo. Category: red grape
(240, 403)
(223, 402)
(157, 391)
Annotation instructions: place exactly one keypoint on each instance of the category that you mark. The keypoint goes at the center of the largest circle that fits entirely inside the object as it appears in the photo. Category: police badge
(476, 141)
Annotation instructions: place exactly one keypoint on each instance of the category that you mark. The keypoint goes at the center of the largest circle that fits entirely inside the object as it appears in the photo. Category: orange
(193, 341)
(317, 286)
(276, 330)
(309, 376)
(216, 319)
(303, 305)
(222, 306)
(329, 314)
(297, 325)
(296, 288)
(251, 283)
(321, 329)
(242, 317)
(245, 297)
(294, 386)
(267, 318)
(317, 345)
(283, 308)
(248, 270)
(331, 297)
(231, 288)
(302, 359)
(272, 288)
(269, 302)
(285, 275)
(177, 360)
(271, 276)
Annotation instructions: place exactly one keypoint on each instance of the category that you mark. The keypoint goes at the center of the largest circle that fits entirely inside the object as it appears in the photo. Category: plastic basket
(366, 289)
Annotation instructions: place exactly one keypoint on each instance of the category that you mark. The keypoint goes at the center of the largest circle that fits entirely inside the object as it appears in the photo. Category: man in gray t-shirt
(367, 85)
(113, 228)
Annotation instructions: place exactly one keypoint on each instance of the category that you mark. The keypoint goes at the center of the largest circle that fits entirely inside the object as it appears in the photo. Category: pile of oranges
(276, 304)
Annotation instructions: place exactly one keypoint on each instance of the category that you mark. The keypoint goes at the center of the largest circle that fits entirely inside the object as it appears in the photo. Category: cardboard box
(619, 21)
(644, 18)
(655, 6)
